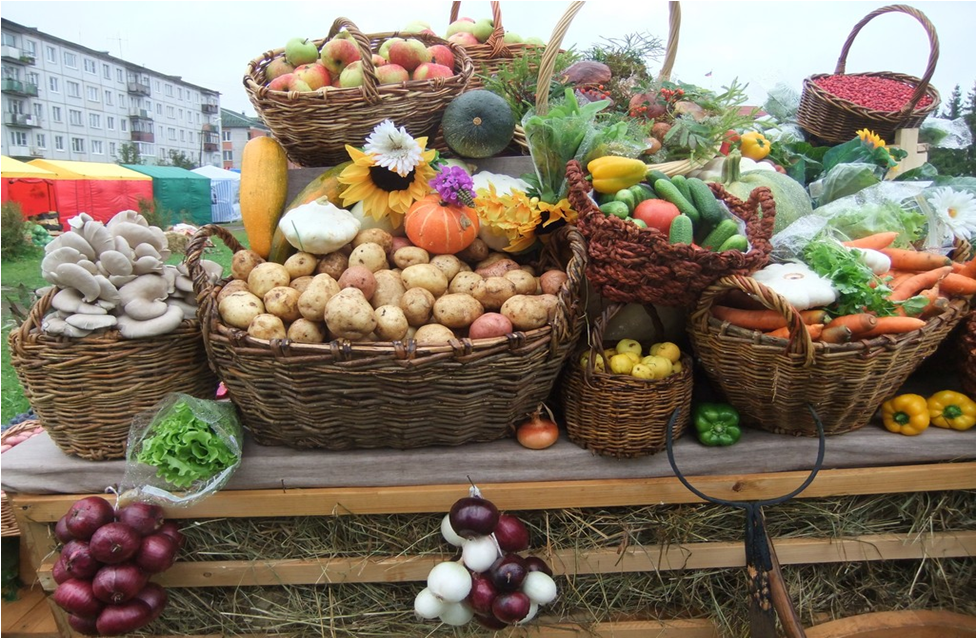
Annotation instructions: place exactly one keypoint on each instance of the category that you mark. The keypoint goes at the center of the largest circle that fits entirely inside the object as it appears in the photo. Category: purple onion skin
(511, 533)
(118, 583)
(88, 515)
(156, 553)
(508, 573)
(472, 516)
(84, 625)
(121, 619)
(145, 519)
(114, 543)
(511, 607)
(78, 559)
(61, 530)
(154, 595)
(59, 572)
(76, 596)
(482, 594)
(172, 530)
(535, 564)
(490, 621)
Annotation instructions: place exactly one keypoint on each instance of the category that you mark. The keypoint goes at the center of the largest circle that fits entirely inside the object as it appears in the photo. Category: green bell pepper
(716, 424)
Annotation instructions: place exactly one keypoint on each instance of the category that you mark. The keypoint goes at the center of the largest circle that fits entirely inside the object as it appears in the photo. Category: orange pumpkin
(440, 228)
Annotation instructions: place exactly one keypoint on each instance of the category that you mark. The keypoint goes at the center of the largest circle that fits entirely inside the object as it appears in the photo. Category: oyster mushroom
(167, 322)
(88, 322)
(56, 258)
(74, 276)
(142, 298)
(71, 240)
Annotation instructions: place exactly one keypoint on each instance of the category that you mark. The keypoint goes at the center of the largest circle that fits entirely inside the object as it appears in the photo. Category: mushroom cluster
(114, 275)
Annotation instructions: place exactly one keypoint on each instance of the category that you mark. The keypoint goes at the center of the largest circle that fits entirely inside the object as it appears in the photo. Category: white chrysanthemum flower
(393, 148)
(957, 211)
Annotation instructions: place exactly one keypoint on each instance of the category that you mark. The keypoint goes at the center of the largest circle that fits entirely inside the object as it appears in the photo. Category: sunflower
(871, 138)
(516, 216)
(394, 174)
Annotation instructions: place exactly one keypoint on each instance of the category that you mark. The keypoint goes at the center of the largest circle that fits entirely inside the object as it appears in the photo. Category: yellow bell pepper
(611, 173)
(950, 409)
(906, 414)
(754, 145)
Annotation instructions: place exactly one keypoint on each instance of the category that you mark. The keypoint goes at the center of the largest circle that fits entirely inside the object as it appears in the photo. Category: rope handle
(36, 314)
(202, 286)
(548, 61)
(497, 39)
(930, 33)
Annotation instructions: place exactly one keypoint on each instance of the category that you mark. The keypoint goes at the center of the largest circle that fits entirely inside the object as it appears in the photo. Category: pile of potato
(380, 288)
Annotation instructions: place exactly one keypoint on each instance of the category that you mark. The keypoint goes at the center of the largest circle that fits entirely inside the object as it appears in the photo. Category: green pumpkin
(791, 198)
(478, 124)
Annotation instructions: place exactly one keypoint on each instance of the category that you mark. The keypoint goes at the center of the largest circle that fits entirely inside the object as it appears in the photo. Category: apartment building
(236, 130)
(64, 101)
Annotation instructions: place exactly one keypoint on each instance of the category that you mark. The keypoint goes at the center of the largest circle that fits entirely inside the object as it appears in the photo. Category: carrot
(911, 260)
(838, 334)
(875, 241)
(893, 324)
(765, 320)
(814, 316)
(969, 268)
(956, 284)
(814, 330)
(918, 282)
(937, 307)
(857, 322)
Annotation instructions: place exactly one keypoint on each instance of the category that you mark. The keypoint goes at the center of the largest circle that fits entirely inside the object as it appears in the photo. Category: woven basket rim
(815, 92)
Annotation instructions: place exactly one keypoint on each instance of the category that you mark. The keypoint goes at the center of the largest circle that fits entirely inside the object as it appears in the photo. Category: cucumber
(639, 223)
(705, 202)
(680, 230)
(723, 231)
(736, 242)
(603, 198)
(654, 175)
(626, 196)
(642, 192)
(670, 192)
(682, 185)
(615, 208)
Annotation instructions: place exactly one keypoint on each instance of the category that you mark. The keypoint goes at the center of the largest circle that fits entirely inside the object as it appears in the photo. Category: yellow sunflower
(385, 192)
(871, 138)
(517, 216)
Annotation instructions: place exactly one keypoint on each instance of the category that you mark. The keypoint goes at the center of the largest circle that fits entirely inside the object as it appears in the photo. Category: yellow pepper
(950, 409)
(611, 173)
(754, 146)
(906, 414)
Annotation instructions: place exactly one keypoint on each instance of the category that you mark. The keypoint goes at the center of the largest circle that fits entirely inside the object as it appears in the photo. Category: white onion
(449, 581)
(449, 533)
(426, 605)
(456, 614)
(533, 609)
(479, 553)
(539, 587)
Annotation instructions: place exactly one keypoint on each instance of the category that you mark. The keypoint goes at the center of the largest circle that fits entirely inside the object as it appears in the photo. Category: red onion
(507, 574)
(156, 553)
(534, 564)
(88, 515)
(78, 560)
(511, 534)
(172, 530)
(61, 530)
(145, 519)
(84, 625)
(114, 543)
(118, 583)
(76, 596)
(511, 607)
(471, 516)
(155, 597)
(59, 572)
(490, 621)
(482, 594)
(121, 619)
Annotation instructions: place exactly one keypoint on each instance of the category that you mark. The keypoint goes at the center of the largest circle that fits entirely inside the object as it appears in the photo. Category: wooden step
(28, 616)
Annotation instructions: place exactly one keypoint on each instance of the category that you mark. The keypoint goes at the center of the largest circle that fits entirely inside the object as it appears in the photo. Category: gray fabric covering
(37, 466)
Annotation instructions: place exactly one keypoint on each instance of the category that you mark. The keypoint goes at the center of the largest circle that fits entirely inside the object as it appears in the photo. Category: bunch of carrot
(912, 273)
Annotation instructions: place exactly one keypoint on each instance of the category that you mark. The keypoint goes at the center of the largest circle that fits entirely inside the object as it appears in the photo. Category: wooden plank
(642, 629)
(664, 557)
(543, 495)
(901, 623)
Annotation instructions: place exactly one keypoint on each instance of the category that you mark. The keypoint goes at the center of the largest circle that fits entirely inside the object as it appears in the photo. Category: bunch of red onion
(106, 562)
(491, 582)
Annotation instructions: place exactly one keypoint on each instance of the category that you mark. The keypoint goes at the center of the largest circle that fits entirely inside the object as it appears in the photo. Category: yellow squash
(264, 187)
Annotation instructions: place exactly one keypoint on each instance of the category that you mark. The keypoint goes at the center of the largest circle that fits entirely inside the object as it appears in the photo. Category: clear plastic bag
(941, 133)
(782, 102)
(182, 451)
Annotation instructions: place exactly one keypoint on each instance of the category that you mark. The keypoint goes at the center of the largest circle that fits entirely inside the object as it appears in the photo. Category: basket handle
(497, 39)
(35, 316)
(930, 33)
(601, 324)
(548, 61)
(799, 342)
(202, 286)
(370, 81)
(568, 297)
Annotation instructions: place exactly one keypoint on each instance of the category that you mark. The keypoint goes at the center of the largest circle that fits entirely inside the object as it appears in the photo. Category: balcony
(140, 114)
(208, 128)
(210, 147)
(16, 87)
(20, 119)
(209, 108)
(138, 88)
(19, 151)
(142, 136)
(13, 54)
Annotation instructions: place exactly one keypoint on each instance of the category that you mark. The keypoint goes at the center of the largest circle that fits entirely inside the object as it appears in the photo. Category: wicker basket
(620, 415)
(8, 523)
(964, 353)
(835, 120)
(630, 264)
(314, 127)
(494, 54)
(85, 391)
(770, 380)
(402, 395)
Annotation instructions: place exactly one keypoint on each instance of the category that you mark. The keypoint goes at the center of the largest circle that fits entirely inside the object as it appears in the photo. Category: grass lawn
(21, 276)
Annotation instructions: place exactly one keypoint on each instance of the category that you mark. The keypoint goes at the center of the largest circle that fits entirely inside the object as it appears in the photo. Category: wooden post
(908, 141)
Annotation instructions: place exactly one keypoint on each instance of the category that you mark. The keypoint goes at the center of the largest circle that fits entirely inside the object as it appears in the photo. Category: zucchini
(736, 242)
(723, 231)
(682, 185)
(680, 230)
(705, 202)
(670, 193)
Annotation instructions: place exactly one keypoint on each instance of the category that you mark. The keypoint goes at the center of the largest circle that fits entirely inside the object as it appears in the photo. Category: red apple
(430, 70)
(352, 75)
(409, 54)
(378, 60)
(315, 75)
(465, 25)
(463, 38)
(337, 54)
(391, 73)
(441, 54)
(278, 66)
(289, 82)
(384, 49)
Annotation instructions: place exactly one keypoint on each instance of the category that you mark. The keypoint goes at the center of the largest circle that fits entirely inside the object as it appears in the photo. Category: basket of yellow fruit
(617, 401)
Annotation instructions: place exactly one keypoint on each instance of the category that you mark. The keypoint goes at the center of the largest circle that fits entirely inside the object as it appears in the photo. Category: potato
(306, 331)
(391, 323)
(457, 310)
(243, 262)
(375, 236)
(371, 255)
(496, 291)
(266, 276)
(283, 302)
(434, 334)
(526, 312)
(301, 264)
(238, 309)
(390, 288)
(234, 286)
(312, 301)
(411, 255)
(498, 268)
(551, 302)
(476, 251)
(467, 282)
(334, 264)
(551, 281)
(398, 243)
(425, 276)
(491, 258)
(349, 315)
(525, 282)
(267, 326)
(301, 283)
(359, 277)
(490, 325)
(448, 264)
(417, 304)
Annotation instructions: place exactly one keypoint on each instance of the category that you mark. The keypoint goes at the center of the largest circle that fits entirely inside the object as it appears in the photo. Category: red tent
(96, 188)
(32, 187)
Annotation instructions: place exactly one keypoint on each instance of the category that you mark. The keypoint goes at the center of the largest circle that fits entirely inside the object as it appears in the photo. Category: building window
(70, 60)
(181, 115)
(90, 66)
(15, 106)
(157, 86)
(92, 93)
(95, 120)
(108, 98)
(169, 90)
(97, 147)
(170, 112)
(144, 149)
(190, 137)
(112, 148)
(74, 117)
(106, 72)
(74, 89)
(123, 125)
(52, 54)
(162, 153)
(110, 123)
(198, 118)
(33, 78)
(122, 99)
(183, 135)
(171, 133)
(159, 109)
(53, 84)
(31, 47)
(38, 110)
(78, 145)
(41, 140)
(119, 76)
(59, 143)
(56, 113)
(18, 138)
(179, 93)
(228, 156)
(226, 136)
(7, 39)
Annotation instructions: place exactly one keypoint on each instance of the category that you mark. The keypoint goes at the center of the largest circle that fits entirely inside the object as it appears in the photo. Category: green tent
(185, 193)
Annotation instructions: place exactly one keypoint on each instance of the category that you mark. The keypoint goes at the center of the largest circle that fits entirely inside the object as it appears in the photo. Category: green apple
(512, 38)
(461, 24)
(299, 51)
(352, 75)
(483, 29)
(534, 40)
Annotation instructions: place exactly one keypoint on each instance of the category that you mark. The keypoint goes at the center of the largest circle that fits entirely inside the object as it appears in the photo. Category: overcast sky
(209, 43)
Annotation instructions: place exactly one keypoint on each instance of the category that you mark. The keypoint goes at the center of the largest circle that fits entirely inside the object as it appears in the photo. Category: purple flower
(454, 186)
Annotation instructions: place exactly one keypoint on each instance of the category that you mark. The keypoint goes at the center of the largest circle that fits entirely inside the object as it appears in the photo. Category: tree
(952, 107)
(180, 159)
(957, 162)
(129, 154)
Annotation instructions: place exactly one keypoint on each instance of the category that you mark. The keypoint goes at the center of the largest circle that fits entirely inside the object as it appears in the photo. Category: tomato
(657, 214)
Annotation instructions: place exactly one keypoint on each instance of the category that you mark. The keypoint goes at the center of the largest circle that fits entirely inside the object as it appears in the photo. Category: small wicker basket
(314, 127)
(629, 264)
(494, 54)
(835, 120)
(771, 380)
(620, 415)
(8, 522)
(85, 391)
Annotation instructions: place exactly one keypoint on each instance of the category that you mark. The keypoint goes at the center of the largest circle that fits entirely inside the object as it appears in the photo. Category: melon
(478, 124)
